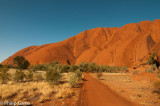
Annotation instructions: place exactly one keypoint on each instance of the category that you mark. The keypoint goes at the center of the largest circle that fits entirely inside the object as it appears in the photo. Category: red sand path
(97, 94)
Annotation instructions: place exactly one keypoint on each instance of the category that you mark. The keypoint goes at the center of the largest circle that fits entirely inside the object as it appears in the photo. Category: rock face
(128, 45)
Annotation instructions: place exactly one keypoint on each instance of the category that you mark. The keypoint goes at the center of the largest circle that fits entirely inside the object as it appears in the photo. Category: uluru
(128, 45)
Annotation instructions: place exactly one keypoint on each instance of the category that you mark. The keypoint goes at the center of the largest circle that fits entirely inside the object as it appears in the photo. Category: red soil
(97, 94)
(128, 45)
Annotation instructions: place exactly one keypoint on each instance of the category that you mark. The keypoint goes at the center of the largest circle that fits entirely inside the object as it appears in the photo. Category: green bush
(19, 76)
(99, 75)
(53, 75)
(29, 76)
(21, 63)
(4, 75)
(39, 77)
(73, 80)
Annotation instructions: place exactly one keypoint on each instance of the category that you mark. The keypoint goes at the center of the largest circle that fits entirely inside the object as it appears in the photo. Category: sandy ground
(139, 92)
(97, 94)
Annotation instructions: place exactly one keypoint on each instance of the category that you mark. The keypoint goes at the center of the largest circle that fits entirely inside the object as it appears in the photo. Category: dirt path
(97, 94)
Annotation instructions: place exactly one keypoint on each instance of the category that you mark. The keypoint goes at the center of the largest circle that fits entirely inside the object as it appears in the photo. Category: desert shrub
(153, 67)
(83, 67)
(53, 75)
(151, 58)
(39, 77)
(114, 69)
(156, 85)
(21, 62)
(19, 76)
(4, 75)
(73, 68)
(38, 67)
(92, 67)
(73, 80)
(29, 76)
(79, 74)
(99, 75)
(65, 68)
(102, 68)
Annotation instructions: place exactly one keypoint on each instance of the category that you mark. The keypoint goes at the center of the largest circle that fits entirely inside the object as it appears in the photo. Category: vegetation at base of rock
(151, 60)
(38, 67)
(153, 67)
(21, 63)
(83, 67)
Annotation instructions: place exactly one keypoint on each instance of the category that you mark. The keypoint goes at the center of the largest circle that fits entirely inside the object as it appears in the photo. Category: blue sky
(35, 22)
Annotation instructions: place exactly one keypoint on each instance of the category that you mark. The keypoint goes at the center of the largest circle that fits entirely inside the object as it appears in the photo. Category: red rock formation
(128, 45)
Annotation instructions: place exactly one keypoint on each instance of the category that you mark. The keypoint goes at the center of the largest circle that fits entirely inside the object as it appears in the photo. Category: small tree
(19, 76)
(4, 75)
(21, 62)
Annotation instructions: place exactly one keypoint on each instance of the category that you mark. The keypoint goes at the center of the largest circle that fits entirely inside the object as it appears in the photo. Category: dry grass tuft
(25, 90)
(63, 91)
